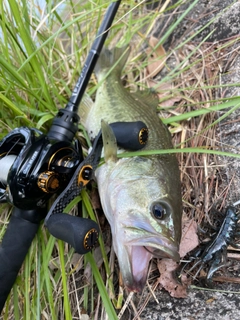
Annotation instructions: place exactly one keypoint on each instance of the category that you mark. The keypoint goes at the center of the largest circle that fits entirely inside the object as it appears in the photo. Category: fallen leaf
(77, 261)
(156, 57)
(167, 267)
(170, 101)
(168, 281)
(54, 263)
(189, 240)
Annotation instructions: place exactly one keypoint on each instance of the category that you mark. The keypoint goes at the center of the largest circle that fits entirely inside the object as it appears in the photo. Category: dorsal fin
(108, 58)
(147, 96)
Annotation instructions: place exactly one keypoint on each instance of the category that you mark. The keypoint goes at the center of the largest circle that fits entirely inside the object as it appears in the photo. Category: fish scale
(140, 196)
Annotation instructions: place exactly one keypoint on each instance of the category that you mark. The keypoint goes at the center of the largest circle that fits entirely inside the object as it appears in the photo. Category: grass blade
(101, 287)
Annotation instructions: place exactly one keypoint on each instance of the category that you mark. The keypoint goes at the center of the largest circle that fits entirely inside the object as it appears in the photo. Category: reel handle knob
(130, 135)
(80, 233)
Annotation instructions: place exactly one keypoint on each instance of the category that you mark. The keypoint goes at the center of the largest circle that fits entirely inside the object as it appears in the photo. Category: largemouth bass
(140, 196)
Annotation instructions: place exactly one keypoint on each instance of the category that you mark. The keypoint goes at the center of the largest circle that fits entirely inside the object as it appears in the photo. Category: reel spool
(6, 163)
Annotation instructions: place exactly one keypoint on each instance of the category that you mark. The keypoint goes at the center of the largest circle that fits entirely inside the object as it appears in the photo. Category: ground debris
(166, 267)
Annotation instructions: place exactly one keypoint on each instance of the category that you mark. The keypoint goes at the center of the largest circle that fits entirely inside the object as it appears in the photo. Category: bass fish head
(144, 214)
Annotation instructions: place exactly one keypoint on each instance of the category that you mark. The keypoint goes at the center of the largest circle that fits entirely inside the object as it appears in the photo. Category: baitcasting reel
(34, 166)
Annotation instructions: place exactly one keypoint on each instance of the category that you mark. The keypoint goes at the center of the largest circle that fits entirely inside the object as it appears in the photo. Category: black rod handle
(92, 57)
(21, 230)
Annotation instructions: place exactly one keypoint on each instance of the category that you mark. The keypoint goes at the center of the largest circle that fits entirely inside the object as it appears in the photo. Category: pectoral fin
(109, 142)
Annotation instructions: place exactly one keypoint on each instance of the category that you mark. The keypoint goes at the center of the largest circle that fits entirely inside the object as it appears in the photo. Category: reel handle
(80, 233)
(130, 135)
(21, 230)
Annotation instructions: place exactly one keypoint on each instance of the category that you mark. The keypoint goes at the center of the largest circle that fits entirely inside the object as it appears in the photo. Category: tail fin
(109, 58)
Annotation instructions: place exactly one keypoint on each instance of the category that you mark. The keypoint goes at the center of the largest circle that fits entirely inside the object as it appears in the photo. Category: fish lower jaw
(134, 264)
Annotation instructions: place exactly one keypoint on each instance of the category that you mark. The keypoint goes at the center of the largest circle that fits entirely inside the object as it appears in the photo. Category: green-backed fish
(141, 195)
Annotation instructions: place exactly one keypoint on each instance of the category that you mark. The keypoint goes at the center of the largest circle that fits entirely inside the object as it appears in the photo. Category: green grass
(41, 56)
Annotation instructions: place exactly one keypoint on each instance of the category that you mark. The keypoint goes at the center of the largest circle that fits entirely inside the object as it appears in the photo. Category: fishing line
(5, 165)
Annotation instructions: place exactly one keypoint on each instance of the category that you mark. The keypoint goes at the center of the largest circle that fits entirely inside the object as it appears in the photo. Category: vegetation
(42, 51)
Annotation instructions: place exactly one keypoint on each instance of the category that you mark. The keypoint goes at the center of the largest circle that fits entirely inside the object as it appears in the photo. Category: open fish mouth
(135, 261)
(160, 248)
(161, 254)
(159, 245)
(167, 250)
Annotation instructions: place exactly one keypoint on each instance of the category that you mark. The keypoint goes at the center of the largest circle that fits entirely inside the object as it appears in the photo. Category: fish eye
(159, 210)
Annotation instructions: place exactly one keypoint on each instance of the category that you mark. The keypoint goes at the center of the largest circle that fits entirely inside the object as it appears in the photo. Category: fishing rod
(36, 166)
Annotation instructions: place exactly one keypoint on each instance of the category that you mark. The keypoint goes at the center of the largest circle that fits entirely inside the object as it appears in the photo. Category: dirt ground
(198, 305)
